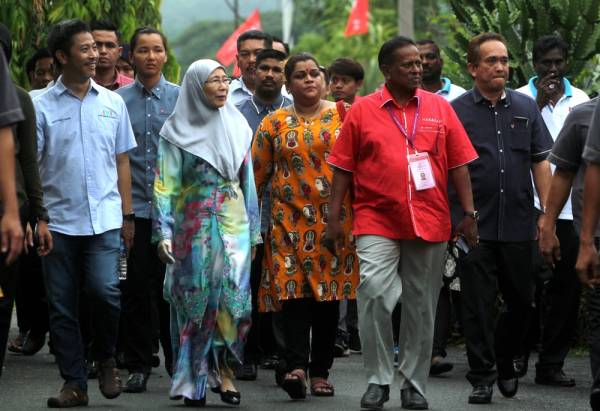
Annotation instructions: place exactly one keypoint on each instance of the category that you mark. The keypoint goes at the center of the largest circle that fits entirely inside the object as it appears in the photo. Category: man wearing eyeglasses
(249, 44)
(108, 42)
(509, 134)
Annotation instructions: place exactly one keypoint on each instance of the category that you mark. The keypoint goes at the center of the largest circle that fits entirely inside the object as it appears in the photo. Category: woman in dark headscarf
(206, 219)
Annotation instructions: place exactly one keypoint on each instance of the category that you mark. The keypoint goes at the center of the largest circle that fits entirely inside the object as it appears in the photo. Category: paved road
(28, 381)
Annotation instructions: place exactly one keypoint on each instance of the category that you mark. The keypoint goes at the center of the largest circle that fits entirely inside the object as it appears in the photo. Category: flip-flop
(294, 383)
(320, 387)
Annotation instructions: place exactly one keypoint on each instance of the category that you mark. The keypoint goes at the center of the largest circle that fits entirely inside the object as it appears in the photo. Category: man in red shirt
(397, 148)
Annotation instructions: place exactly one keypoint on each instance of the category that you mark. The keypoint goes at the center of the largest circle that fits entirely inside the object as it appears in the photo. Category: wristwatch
(44, 217)
(129, 217)
(473, 214)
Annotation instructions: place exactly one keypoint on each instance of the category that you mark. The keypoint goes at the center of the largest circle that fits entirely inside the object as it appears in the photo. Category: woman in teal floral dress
(206, 221)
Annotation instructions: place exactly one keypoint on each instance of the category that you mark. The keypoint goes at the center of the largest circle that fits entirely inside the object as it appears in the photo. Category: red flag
(227, 52)
(358, 21)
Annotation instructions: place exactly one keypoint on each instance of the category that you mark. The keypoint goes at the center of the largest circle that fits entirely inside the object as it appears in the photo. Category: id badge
(420, 170)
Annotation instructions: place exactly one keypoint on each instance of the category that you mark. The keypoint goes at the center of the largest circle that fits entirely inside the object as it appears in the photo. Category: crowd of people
(280, 220)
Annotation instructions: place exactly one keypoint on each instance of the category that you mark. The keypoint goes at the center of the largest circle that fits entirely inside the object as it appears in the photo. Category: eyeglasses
(218, 80)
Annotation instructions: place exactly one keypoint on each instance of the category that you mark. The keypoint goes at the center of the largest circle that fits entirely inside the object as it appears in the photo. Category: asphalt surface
(27, 382)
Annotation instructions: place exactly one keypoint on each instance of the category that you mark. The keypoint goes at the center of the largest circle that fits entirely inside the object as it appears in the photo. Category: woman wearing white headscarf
(206, 220)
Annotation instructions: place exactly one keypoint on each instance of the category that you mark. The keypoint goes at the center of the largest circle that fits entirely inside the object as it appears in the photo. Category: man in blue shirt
(249, 44)
(83, 137)
(267, 98)
(150, 100)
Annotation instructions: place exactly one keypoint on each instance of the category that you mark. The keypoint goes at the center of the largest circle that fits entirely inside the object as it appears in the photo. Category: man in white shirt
(433, 63)
(556, 97)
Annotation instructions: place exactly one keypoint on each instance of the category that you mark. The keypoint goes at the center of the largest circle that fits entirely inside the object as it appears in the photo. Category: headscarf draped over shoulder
(220, 136)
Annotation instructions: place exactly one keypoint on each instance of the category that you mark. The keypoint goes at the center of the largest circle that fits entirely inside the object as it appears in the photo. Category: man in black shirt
(512, 141)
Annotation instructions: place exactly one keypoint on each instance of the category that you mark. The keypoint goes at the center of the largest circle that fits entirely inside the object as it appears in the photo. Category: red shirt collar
(386, 97)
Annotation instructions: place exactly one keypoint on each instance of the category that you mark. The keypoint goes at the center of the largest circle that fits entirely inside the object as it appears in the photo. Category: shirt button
(502, 171)
(148, 150)
(147, 133)
(501, 150)
(495, 112)
(148, 115)
(499, 132)
(147, 98)
(501, 190)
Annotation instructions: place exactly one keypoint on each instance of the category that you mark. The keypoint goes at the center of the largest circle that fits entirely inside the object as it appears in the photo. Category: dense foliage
(29, 21)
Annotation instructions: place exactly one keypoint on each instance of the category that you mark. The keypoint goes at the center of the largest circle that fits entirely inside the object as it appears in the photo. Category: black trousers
(447, 314)
(142, 300)
(488, 268)
(8, 283)
(30, 299)
(299, 316)
(560, 303)
(260, 339)
(593, 301)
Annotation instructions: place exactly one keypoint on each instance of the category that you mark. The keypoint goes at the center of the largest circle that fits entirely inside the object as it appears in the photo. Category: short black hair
(38, 55)
(145, 30)
(269, 54)
(476, 42)
(286, 46)
(426, 42)
(546, 43)
(106, 25)
(347, 67)
(61, 36)
(6, 42)
(255, 35)
(290, 65)
(386, 51)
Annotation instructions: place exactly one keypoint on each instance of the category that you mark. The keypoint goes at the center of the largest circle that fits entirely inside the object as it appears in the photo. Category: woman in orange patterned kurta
(300, 276)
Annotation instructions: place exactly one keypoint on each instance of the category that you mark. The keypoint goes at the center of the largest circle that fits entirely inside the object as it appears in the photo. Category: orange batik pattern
(290, 153)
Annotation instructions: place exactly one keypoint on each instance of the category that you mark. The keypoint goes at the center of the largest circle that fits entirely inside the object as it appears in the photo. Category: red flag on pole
(358, 21)
(227, 52)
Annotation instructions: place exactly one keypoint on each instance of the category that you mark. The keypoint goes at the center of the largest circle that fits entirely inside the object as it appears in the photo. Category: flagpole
(287, 18)
(405, 18)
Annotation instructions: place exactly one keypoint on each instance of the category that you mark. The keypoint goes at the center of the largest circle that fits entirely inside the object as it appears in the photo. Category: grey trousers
(390, 269)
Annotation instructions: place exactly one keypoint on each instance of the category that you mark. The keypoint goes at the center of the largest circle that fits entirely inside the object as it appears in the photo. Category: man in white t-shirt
(556, 97)
(433, 63)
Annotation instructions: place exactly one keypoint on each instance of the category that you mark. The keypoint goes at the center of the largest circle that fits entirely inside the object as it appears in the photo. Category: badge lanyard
(410, 138)
(419, 165)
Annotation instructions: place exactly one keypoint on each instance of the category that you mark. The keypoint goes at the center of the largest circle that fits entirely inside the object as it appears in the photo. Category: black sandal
(294, 383)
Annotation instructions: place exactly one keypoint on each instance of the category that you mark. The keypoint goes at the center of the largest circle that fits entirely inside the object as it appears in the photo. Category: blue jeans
(91, 262)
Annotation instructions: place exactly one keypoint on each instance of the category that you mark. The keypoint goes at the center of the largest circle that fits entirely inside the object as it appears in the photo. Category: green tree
(521, 22)
(29, 22)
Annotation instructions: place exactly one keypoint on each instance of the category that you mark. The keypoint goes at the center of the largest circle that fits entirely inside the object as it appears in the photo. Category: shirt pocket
(107, 126)
(429, 138)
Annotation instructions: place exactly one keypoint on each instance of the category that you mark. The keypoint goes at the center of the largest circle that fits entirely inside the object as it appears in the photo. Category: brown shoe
(70, 396)
(108, 379)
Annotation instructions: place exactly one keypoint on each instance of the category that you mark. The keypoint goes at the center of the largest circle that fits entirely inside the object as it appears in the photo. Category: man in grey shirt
(586, 218)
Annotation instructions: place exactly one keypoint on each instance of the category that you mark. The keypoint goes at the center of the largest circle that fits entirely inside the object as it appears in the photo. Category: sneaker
(71, 395)
(108, 379)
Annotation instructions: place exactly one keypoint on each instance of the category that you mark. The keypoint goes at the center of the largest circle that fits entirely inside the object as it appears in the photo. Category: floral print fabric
(291, 153)
(212, 223)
